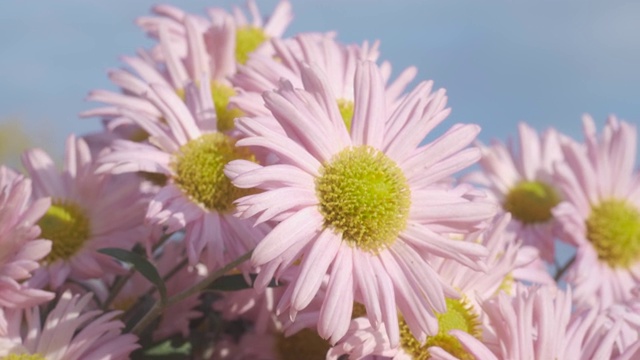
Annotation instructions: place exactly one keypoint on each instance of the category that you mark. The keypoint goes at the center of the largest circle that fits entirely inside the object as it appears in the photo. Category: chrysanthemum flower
(360, 203)
(537, 323)
(504, 270)
(68, 333)
(20, 245)
(190, 47)
(522, 181)
(263, 72)
(88, 212)
(601, 213)
(198, 196)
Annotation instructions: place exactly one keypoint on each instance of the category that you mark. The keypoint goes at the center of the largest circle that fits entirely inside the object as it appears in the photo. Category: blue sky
(543, 62)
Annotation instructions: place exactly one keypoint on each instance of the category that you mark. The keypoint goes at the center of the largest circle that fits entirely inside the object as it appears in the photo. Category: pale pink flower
(20, 245)
(68, 333)
(197, 196)
(88, 212)
(263, 72)
(190, 48)
(520, 177)
(537, 323)
(601, 213)
(321, 191)
(504, 269)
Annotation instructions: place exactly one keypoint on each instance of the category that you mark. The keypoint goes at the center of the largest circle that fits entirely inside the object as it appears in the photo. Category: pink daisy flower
(504, 269)
(263, 72)
(20, 245)
(68, 332)
(190, 47)
(197, 196)
(601, 213)
(538, 324)
(88, 212)
(361, 204)
(521, 179)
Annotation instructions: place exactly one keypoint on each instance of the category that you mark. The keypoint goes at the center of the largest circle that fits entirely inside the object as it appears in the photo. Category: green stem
(564, 268)
(116, 288)
(158, 307)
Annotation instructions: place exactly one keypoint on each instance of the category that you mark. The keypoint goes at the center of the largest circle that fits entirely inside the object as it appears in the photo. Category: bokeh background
(544, 62)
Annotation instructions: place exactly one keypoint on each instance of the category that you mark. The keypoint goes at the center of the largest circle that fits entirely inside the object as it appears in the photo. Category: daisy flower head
(362, 204)
(189, 47)
(601, 212)
(198, 196)
(465, 313)
(338, 61)
(88, 212)
(521, 179)
(537, 323)
(21, 248)
(69, 332)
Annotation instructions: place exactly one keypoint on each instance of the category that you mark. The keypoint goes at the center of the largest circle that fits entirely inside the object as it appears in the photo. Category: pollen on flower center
(531, 202)
(221, 94)
(364, 196)
(199, 171)
(305, 344)
(459, 316)
(248, 39)
(613, 227)
(24, 357)
(67, 226)
(346, 111)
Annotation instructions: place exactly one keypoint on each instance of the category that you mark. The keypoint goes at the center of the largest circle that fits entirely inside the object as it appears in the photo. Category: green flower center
(364, 196)
(459, 316)
(199, 171)
(531, 202)
(248, 39)
(221, 94)
(613, 227)
(67, 226)
(24, 357)
(346, 110)
(305, 344)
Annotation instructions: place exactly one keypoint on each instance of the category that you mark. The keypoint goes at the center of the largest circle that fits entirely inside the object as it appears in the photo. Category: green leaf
(142, 265)
(168, 349)
(235, 282)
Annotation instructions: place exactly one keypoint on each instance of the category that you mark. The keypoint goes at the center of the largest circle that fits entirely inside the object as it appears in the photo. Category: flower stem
(564, 268)
(158, 307)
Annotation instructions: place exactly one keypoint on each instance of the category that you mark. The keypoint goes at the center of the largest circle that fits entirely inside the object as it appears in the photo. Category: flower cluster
(256, 196)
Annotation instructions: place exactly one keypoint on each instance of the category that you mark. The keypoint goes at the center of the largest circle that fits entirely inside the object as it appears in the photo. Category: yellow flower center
(248, 39)
(364, 196)
(221, 94)
(346, 111)
(67, 226)
(613, 227)
(199, 171)
(531, 202)
(24, 357)
(305, 344)
(459, 316)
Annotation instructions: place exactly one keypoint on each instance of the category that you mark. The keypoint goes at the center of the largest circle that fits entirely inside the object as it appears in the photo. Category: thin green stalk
(564, 268)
